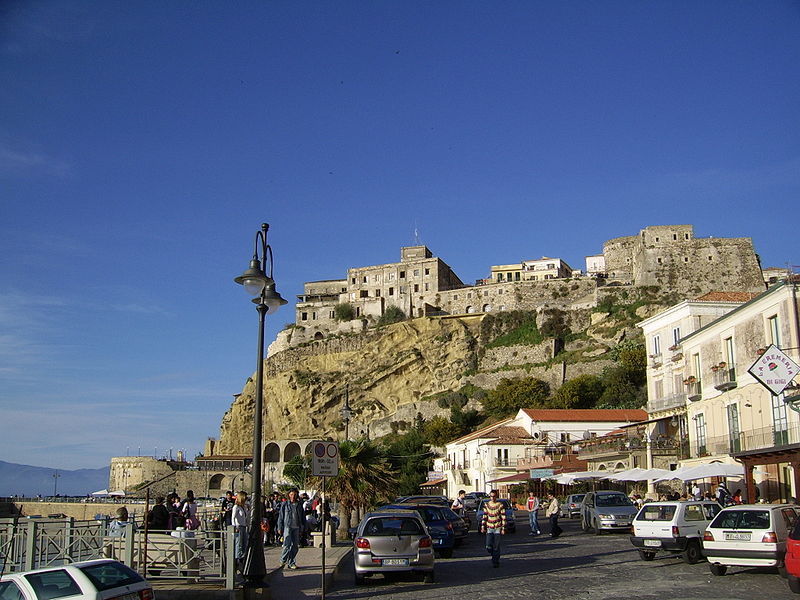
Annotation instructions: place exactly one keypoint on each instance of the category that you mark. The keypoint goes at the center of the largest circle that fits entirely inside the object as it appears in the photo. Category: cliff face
(387, 370)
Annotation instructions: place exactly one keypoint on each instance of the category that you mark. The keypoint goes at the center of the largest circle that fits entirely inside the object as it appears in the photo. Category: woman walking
(239, 519)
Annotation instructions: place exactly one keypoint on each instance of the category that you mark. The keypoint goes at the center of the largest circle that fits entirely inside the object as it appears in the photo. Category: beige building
(725, 414)
(532, 270)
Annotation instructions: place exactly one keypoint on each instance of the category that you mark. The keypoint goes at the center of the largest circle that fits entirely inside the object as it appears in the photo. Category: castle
(424, 285)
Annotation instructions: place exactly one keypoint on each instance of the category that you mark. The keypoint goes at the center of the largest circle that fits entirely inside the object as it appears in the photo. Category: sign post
(324, 463)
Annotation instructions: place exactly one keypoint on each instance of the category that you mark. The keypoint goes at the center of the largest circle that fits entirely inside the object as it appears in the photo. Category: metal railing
(753, 439)
(203, 555)
(672, 401)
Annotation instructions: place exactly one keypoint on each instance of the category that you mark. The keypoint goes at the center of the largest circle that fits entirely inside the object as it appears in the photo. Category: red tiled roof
(510, 478)
(482, 433)
(599, 415)
(727, 297)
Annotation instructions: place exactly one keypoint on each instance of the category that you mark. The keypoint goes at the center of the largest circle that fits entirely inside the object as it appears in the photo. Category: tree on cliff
(512, 394)
(583, 391)
(410, 457)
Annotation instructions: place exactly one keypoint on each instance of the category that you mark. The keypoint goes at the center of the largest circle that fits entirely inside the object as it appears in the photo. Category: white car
(749, 535)
(676, 527)
(90, 580)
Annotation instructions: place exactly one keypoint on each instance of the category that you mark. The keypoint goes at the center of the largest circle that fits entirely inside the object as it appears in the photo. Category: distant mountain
(25, 480)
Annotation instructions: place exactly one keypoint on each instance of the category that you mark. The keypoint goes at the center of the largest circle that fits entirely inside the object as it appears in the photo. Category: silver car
(607, 510)
(392, 541)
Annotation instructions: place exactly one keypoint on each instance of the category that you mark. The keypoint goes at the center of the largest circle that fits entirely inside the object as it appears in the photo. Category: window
(304, 316)
(377, 293)
(402, 274)
(364, 294)
(10, 591)
(391, 276)
(416, 272)
(455, 296)
(780, 422)
(700, 430)
(416, 287)
(391, 291)
(730, 354)
(427, 271)
(364, 279)
(499, 277)
(353, 280)
(658, 389)
(659, 260)
(676, 335)
(427, 287)
(313, 316)
(774, 330)
(733, 428)
(696, 365)
(656, 345)
(53, 584)
(332, 315)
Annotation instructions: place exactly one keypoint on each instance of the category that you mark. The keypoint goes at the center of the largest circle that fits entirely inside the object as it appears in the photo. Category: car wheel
(693, 554)
(794, 583)
(596, 527)
(718, 570)
(446, 553)
(359, 579)
(647, 555)
(428, 577)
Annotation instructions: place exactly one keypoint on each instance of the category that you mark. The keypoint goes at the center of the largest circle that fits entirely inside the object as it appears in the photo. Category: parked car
(675, 527)
(471, 499)
(607, 510)
(391, 541)
(82, 580)
(571, 507)
(511, 525)
(447, 529)
(792, 558)
(749, 535)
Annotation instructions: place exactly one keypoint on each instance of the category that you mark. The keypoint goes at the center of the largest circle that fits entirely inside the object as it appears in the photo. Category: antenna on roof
(416, 234)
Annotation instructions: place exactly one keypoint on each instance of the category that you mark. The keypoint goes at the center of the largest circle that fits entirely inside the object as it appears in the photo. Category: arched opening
(292, 449)
(601, 468)
(469, 309)
(620, 466)
(487, 308)
(215, 483)
(272, 453)
(318, 335)
(308, 448)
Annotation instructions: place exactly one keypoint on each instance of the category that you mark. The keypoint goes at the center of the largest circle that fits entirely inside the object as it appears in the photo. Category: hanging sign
(774, 370)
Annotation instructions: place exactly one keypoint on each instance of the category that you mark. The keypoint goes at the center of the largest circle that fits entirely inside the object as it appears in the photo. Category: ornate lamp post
(257, 281)
(347, 413)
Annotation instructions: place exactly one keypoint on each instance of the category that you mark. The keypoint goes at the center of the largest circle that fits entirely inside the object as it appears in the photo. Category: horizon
(141, 147)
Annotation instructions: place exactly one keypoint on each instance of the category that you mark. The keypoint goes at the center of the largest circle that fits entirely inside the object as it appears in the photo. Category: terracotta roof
(586, 414)
(727, 297)
(433, 482)
(482, 433)
(512, 478)
(506, 441)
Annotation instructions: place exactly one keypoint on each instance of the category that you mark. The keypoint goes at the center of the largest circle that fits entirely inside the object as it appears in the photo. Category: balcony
(656, 360)
(694, 390)
(724, 379)
(745, 441)
(673, 401)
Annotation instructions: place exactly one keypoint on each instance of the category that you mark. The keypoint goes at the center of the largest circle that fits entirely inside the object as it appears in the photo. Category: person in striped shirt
(493, 524)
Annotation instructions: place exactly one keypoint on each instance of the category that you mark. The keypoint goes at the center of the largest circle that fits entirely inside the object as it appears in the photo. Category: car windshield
(110, 575)
(613, 500)
(656, 513)
(742, 519)
(388, 526)
(577, 499)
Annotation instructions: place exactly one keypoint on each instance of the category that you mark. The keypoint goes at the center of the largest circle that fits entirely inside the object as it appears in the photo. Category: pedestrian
(533, 513)
(459, 505)
(723, 495)
(120, 526)
(226, 509)
(737, 496)
(552, 513)
(493, 524)
(158, 517)
(292, 523)
(696, 495)
(239, 518)
(176, 519)
(189, 511)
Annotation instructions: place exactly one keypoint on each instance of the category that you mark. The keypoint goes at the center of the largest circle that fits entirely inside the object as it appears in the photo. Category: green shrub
(392, 314)
(344, 311)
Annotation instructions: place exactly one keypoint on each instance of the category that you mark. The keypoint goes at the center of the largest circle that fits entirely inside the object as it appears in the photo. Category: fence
(207, 555)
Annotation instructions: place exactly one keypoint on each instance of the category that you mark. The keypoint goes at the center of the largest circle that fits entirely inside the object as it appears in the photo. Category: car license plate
(737, 535)
(653, 543)
(395, 562)
(626, 523)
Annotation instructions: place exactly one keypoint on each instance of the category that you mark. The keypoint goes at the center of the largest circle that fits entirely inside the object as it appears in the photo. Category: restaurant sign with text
(774, 370)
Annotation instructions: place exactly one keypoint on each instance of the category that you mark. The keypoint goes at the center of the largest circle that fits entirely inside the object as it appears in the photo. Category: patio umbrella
(713, 470)
(627, 475)
(100, 493)
(570, 478)
(649, 474)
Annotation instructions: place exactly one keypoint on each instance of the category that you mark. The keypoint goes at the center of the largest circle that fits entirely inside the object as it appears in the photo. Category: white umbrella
(649, 474)
(117, 493)
(100, 493)
(713, 470)
(627, 475)
(570, 478)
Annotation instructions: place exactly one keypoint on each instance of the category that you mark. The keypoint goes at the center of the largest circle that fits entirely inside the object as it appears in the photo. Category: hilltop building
(532, 270)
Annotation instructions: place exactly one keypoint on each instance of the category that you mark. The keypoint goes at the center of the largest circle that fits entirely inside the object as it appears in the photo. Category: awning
(433, 482)
(713, 469)
(515, 478)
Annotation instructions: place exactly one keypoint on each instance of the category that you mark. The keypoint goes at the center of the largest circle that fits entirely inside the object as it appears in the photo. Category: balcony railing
(694, 391)
(725, 379)
(744, 441)
(673, 401)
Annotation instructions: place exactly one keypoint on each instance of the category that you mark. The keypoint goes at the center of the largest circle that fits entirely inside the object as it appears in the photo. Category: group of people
(173, 513)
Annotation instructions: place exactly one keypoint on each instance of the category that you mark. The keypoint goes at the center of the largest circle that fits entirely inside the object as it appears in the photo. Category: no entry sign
(325, 459)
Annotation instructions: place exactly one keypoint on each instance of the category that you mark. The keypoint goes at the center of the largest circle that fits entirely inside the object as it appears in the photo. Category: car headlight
(605, 516)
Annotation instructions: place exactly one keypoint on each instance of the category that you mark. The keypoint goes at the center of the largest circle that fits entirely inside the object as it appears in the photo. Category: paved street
(575, 566)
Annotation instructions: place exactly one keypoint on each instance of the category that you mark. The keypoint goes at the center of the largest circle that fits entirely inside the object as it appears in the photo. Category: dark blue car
(440, 526)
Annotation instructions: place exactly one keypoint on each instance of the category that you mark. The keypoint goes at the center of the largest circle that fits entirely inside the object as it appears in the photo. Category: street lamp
(55, 483)
(347, 413)
(258, 282)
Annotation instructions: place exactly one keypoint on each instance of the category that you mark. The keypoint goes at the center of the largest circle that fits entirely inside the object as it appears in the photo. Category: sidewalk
(285, 584)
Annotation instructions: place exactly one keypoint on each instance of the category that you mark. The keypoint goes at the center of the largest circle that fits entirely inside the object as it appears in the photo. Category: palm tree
(365, 478)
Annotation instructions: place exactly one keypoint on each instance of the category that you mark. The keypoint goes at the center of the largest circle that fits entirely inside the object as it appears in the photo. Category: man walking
(292, 523)
(493, 524)
(552, 513)
(533, 513)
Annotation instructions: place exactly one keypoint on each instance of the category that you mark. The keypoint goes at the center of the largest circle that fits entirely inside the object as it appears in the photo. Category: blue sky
(142, 144)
